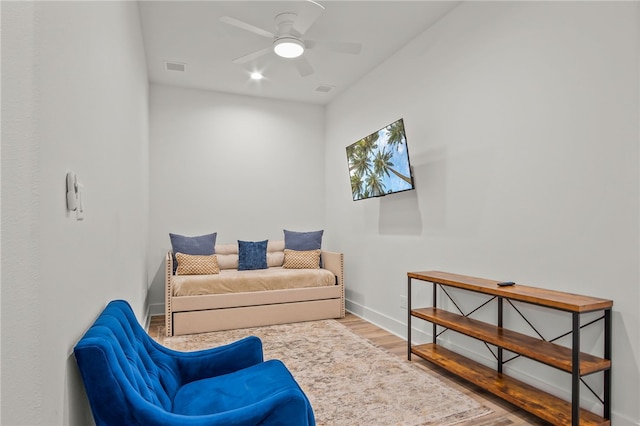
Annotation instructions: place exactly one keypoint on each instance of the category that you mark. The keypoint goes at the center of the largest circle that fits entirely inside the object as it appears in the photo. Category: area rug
(348, 380)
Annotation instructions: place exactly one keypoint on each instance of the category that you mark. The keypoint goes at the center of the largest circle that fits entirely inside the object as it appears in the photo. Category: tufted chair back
(132, 380)
(118, 344)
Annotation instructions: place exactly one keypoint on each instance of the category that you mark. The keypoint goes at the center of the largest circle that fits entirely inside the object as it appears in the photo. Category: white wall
(243, 167)
(75, 97)
(522, 126)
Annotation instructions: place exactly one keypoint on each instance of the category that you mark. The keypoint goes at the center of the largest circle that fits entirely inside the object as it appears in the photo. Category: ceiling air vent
(174, 66)
(324, 88)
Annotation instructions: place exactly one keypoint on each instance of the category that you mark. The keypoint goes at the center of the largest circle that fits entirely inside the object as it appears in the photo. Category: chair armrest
(216, 361)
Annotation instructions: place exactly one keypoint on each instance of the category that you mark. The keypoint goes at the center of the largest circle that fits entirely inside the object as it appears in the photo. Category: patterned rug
(348, 380)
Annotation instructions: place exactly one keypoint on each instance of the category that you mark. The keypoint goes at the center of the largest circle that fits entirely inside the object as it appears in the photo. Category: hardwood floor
(504, 414)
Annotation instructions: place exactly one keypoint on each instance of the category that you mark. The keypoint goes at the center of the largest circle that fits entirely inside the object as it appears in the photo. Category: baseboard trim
(156, 309)
(387, 323)
(152, 310)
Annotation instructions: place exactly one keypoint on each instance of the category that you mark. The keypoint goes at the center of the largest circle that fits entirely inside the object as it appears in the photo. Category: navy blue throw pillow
(252, 255)
(303, 241)
(200, 245)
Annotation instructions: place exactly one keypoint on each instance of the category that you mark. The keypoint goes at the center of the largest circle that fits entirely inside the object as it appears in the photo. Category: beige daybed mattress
(234, 281)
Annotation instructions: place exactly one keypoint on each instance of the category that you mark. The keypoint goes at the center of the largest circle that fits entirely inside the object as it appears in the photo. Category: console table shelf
(570, 360)
(541, 404)
(548, 353)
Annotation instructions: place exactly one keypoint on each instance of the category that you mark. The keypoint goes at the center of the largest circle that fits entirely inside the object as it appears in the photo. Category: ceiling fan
(287, 41)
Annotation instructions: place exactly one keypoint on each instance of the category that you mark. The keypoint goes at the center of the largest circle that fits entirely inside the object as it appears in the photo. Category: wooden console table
(570, 360)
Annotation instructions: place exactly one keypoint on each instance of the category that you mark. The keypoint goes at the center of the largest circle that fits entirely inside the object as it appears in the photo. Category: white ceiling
(190, 32)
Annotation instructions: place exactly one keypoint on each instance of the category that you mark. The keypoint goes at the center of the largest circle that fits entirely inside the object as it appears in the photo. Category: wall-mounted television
(379, 163)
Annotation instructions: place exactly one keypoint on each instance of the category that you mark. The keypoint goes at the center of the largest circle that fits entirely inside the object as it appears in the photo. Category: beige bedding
(234, 281)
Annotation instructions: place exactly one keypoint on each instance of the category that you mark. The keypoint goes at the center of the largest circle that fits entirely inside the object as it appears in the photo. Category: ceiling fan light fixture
(288, 47)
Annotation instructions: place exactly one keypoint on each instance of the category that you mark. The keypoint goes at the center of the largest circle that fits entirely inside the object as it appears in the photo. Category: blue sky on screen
(400, 161)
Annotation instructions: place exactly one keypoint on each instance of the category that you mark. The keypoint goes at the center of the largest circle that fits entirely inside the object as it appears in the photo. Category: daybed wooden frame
(214, 312)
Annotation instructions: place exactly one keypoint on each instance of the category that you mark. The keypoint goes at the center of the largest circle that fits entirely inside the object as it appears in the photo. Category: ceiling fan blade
(251, 56)
(245, 26)
(307, 16)
(304, 67)
(349, 47)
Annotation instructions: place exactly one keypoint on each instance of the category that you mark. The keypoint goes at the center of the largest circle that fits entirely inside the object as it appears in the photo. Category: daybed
(236, 298)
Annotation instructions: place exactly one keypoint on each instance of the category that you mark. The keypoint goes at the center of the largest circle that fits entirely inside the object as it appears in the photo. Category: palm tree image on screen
(379, 163)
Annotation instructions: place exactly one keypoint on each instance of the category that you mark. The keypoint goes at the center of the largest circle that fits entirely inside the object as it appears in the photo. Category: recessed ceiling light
(256, 76)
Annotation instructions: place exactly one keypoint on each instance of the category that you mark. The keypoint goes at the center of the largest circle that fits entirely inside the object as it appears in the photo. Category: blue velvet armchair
(132, 380)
